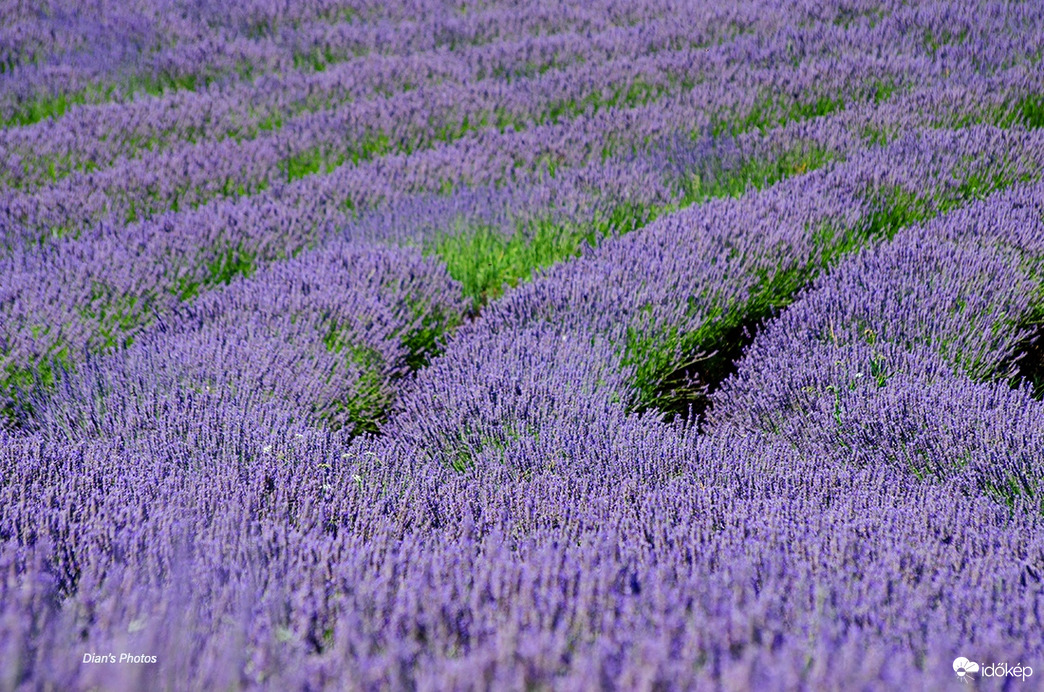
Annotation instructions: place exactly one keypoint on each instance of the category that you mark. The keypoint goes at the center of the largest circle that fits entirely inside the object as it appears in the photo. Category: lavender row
(233, 52)
(580, 138)
(61, 37)
(666, 296)
(844, 557)
(267, 18)
(192, 173)
(326, 334)
(91, 138)
(264, 228)
(517, 524)
(220, 251)
(106, 313)
(99, 293)
(104, 294)
(73, 34)
(188, 176)
(587, 132)
(227, 54)
(651, 300)
(288, 155)
(906, 352)
(627, 553)
(1003, 99)
(316, 142)
(101, 305)
(703, 24)
(706, 23)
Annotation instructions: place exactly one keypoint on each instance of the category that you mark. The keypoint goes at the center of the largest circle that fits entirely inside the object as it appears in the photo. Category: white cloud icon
(963, 666)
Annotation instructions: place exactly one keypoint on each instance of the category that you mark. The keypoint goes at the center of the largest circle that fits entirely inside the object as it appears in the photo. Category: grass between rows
(55, 106)
(486, 261)
(1026, 111)
(363, 408)
(41, 107)
(366, 406)
(1028, 362)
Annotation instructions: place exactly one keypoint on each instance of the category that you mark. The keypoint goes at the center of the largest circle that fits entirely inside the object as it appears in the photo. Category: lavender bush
(507, 345)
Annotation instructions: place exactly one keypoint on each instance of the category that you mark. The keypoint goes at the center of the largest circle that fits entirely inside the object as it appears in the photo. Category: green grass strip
(366, 405)
(222, 268)
(485, 260)
(772, 110)
(55, 106)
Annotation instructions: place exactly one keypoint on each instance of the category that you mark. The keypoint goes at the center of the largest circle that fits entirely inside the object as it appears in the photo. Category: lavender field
(516, 345)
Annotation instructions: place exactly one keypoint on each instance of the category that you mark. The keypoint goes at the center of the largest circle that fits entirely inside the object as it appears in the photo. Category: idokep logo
(966, 670)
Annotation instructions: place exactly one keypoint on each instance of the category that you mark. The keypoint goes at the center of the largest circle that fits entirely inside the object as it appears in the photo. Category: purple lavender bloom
(750, 413)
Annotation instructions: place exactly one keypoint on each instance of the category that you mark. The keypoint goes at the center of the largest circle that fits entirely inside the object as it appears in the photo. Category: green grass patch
(366, 405)
(55, 106)
(19, 383)
(116, 317)
(299, 165)
(230, 264)
(846, 17)
(892, 208)
(484, 260)
(1014, 489)
(271, 122)
(882, 90)
(771, 110)
(1030, 111)
(932, 42)
(427, 338)
(1026, 110)
(163, 82)
(675, 370)
(321, 160)
(320, 58)
(373, 145)
(751, 173)
(45, 106)
(1027, 365)
(222, 268)
(471, 442)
